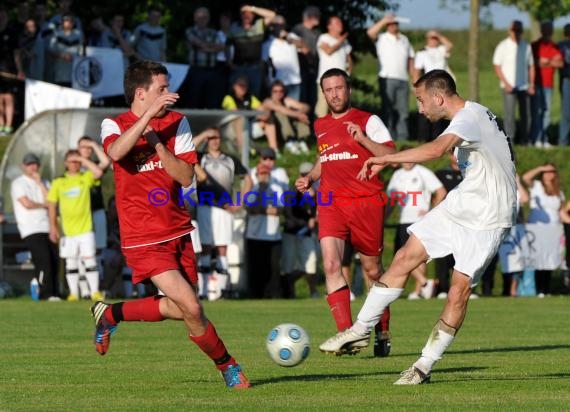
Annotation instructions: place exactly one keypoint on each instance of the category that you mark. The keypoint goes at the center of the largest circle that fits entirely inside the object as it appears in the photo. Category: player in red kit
(153, 158)
(349, 210)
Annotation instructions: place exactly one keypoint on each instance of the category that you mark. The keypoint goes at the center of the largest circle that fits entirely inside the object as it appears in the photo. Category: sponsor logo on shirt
(149, 166)
(72, 192)
(337, 156)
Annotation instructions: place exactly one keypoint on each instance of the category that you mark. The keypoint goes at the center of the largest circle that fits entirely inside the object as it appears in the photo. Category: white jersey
(30, 221)
(486, 197)
(418, 185)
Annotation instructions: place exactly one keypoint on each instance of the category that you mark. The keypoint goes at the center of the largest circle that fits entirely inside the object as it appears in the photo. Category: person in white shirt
(433, 56)
(28, 193)
(470, 223)
(414, 188)
(396, 59)
(514, 66)
(334, 51)
(280, 53)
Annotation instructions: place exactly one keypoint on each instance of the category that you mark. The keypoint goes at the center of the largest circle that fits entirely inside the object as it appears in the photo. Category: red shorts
(152, 260)
(358, 220)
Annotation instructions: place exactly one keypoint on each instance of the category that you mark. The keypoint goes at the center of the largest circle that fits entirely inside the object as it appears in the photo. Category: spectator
(120, 37)
(433, 56)
(334, 51)
(308, 31)
(45, 32)
(205, 80)
(66, 43)
(300, 249)
(218, 172)
(280, 55)
(11, 72)
(225, 56)
(547, 58)
(90, 149)
(450, 177)
(31, 51)
(263, 235)
(149, 38)
(396, 59)
(546, 201)
(514, 66)
(28, 193)
(416, 189)
(564, 127)
(246, 38)
(513, 270)
(291, 117)
(278, 174)
(98, 35)
(240, 98)
(70, 194)
(64, 9)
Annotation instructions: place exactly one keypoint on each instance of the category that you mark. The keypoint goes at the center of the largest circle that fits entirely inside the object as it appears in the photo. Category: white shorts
(195, 236)
(216, 226)
(299, 253)
(472, 249)
(100, 228)
(77, 246)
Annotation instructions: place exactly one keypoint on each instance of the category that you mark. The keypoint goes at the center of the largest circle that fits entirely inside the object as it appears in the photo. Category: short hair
(139, 74)
(438, 79)
(82, 138)
(71, 152)
(335, 72)
(312, 11)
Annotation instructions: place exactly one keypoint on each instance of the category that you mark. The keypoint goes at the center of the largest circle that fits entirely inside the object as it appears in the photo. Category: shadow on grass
(319, 377)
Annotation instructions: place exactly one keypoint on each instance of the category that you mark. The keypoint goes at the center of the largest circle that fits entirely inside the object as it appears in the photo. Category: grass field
(512, 354)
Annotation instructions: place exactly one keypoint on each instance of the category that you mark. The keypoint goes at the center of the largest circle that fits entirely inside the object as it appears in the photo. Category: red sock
(211, 344)
(143, 310)
(339, 302)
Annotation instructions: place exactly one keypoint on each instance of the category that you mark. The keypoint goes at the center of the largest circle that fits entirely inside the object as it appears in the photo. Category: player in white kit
(469, 224)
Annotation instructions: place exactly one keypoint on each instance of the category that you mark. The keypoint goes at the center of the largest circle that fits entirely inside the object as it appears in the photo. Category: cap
(267, 152)
(262, 169)
(305, 168)
(30, 158)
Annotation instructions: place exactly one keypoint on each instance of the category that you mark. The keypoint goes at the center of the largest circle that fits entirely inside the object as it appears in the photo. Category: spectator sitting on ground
(291, 116)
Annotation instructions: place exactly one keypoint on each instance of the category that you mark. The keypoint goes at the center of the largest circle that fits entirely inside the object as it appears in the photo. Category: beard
(339, 108)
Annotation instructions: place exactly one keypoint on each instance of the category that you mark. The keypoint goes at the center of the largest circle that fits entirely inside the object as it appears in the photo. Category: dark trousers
(45, 260)
(542, 280)
(264, 268)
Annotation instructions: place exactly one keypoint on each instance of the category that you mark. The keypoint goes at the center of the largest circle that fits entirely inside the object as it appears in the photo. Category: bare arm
(565, 213)
(377, 149)
(374, 30)
(529, 176)
(267, 14)
(303, 183)
(123, 145)
(176, 168)
(438, 196)
(328, 49)
(104, 160)
(501, 76)
(53, 227)
(523, 193)
(428, 151)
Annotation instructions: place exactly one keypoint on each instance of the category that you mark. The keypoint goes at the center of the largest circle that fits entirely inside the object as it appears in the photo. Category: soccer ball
(288, 344)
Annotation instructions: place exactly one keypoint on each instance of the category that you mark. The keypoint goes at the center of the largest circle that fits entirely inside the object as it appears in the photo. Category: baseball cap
(267, 152)
(305, 168)
(30, 158)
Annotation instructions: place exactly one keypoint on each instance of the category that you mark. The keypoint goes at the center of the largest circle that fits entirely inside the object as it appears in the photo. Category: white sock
(377, 300)
(438, 341)
(223, 262)
(92, 277)
(73, 283)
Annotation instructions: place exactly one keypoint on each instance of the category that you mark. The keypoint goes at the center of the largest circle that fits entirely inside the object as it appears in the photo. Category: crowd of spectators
(260, 62)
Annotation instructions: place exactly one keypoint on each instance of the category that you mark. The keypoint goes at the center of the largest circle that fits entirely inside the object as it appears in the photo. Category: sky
(426, 14)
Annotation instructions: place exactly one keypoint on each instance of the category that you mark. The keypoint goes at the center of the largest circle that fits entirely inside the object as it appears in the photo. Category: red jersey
(545, 49)
(342, 157)
(147, 197)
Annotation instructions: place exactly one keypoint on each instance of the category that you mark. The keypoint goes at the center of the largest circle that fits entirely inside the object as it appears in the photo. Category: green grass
(512, 354)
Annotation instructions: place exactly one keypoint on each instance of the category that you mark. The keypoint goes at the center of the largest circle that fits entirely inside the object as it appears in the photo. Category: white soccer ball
(288, 344)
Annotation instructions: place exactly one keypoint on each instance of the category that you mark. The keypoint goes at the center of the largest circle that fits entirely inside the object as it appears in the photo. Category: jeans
(510, 100)
(394, 109)
(541, 105)
(564, 128)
